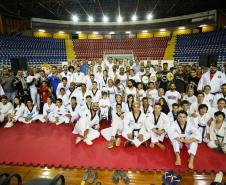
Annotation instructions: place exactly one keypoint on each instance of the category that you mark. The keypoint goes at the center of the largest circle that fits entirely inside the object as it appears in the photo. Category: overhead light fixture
(119, 18)
(181, 28)
(61, 32)
(41, 30)
(75, 18)
(95, 33)
(144, 31)
(105, 19)
(78, 32)
(162, 30)
(203, 25)
(111, 32)
(90, 18)
(128, 32)
(134, 17)
(149, 16)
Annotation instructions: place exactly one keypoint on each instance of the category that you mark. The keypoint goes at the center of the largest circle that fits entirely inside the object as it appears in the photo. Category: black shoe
(128, 144)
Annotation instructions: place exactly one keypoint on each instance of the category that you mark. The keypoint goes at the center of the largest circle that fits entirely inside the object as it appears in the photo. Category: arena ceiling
(64, 9)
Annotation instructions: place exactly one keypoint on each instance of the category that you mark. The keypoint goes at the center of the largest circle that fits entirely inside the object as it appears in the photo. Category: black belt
(203, 130)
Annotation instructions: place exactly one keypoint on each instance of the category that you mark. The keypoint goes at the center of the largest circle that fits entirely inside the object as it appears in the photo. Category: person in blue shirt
(53, 80)
(84, 67)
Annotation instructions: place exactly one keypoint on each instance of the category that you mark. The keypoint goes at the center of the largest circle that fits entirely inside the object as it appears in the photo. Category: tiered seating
(190, 47)
(36, 50)
(152, 48)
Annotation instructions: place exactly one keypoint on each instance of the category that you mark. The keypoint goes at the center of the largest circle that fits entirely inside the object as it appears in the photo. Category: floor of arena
(74, 176)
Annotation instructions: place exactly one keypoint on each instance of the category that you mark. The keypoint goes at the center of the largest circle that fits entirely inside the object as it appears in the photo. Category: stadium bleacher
(36, 50)
(153, 48)
(190, 47)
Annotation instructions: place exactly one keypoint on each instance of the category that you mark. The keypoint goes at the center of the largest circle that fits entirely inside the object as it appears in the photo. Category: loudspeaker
(207, 60)
(19, 64)
(213, 59)
(74, 36)
(204, 60)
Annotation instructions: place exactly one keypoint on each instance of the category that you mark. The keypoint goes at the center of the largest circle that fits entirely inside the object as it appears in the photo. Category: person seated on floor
(86, 106)
(88, 125)
(48, 110)
(60, 113)
(157, 125)
(184, 132)
(218, 132)
(112, 133)
(172, 115)
(6, 108)
(134, 127)
(30, 113)
(73, 109)
(17, 113)
(105, 107)
(62, 95)
(200, 120)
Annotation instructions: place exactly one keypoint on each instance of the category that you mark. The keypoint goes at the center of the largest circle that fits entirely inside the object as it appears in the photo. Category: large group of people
(141, 102)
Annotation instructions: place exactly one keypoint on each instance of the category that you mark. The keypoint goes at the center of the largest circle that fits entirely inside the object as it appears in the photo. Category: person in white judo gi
(146, 107)
(157, 125)
(88, 125)
(48, 110)
(201, 119)
(60, 114)
(112, 133)
(184, 132)
(73, 109)
(6, 108)
(218, 132)
(17, 113)
(30, 113)
(134, 127)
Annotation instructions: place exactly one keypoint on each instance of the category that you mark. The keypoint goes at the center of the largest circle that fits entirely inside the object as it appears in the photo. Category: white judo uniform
(135, 126)
(217, 135)
(32, 114)
(189, 131)
(47, 111)
(201, 123)
(33, 88)
(18, 112)
(87, 121)
(160, 123)
(59, 115)
(74, 112)
(116, 128)
(5, 110)
(147, 110)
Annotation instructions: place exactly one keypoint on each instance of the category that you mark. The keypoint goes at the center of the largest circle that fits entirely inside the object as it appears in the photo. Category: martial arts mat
(54, 146)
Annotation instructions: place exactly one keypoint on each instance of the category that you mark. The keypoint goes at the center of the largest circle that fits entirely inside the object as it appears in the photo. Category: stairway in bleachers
(69, 50)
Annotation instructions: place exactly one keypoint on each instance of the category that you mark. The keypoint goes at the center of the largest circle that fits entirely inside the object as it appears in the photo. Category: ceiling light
(119, 18)
(181, 28)
(95, 33)
(61, 32)
(162, 30)
(149, 16)
(41, 30)
(78, 32)
(128, 32)
(75, 18)
(134, 17)
(144, 31)
(111, 32)
(105, 19)
(90, 19)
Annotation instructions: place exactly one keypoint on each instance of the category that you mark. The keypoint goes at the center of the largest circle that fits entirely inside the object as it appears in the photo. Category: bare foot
(191, 163)
(152, 145)
(178, 160)
(161, 146)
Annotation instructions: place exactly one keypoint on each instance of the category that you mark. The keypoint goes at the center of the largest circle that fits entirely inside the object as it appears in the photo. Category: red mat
(50, 145)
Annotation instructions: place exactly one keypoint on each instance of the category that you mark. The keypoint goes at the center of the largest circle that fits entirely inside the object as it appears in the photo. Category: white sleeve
(200, 84)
